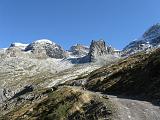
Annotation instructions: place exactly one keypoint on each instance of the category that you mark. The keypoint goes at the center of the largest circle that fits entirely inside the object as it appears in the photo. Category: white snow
(43, 41)
(80, 45)
(116, 50)
(19, 44)
(2, 50)
(70, 56)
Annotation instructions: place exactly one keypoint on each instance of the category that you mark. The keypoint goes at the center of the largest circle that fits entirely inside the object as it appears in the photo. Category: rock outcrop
(99, 49)
(16, 50)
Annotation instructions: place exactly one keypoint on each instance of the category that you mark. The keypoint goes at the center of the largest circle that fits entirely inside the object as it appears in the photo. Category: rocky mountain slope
(16, 73)
(78, 51)
(150, 39)
(40, 49)
(29, 95)
(46, 48)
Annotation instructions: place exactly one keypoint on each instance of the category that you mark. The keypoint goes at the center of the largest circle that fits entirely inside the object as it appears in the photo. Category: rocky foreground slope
(63, 103)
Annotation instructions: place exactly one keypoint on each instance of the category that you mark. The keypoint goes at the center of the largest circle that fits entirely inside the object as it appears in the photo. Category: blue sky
(68, 22)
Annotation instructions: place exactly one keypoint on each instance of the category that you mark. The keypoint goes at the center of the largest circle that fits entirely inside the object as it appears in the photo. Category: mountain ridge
(150, 39)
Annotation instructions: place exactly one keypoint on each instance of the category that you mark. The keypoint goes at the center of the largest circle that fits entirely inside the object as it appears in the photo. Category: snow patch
(2, 50)
(19, 45)
(43, 41)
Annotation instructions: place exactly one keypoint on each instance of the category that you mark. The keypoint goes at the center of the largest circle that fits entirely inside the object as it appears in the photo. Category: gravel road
(129, 109)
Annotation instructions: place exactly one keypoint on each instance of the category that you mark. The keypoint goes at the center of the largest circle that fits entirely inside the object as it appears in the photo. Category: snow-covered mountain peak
(46, 48)
(44, 41)
(150, 39)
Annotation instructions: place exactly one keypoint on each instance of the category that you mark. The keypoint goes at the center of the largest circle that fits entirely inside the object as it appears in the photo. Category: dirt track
(129, 109)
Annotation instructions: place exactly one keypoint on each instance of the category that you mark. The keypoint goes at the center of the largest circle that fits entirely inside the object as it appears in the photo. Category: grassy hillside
(136, 75)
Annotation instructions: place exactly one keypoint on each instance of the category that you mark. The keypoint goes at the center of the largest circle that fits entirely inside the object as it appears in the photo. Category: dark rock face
(153, 31)
(98, 48)
(46, 48)
(26, 89)
(79, 50)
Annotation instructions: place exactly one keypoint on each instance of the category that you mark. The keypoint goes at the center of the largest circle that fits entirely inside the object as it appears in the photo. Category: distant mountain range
(46, 48)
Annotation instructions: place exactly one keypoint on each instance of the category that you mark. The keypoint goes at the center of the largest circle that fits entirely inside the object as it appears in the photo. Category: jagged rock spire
(99, 48)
